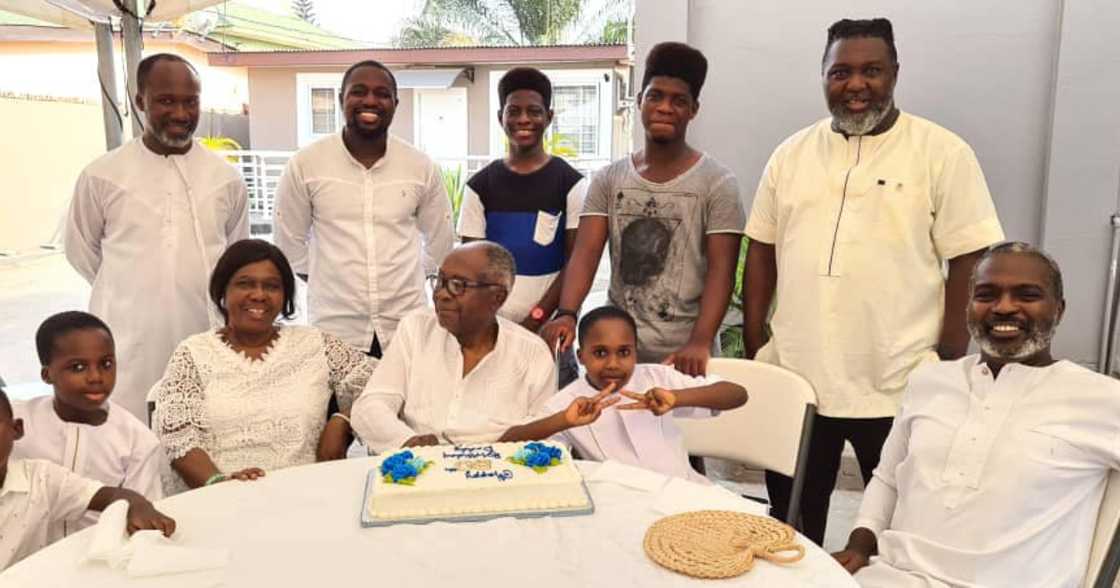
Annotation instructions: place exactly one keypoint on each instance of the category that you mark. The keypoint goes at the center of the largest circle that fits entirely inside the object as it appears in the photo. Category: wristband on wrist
(560, 312)
(341, 416)
(218, 477)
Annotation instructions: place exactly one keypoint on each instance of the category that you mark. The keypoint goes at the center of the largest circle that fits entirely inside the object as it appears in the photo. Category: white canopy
(78, 13)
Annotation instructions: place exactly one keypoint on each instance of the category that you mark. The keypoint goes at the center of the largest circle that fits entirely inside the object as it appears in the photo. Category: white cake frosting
(477, 480)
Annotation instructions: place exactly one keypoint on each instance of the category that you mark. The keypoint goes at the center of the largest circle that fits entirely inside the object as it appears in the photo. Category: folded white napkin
(146, 553)
(619, 473)
(680, 495)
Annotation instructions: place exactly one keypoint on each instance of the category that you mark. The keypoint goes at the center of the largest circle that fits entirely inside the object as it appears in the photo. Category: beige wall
(272, 110)
(69, 70)
(272, 120)
(45, 147)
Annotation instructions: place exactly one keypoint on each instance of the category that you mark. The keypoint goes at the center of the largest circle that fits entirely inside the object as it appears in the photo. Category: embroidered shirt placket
(843, 200)
(372, 281)
(989, 404)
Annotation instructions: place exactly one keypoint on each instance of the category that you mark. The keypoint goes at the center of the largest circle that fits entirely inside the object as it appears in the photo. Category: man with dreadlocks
(994, 470)
(674, 220)
(852, 222)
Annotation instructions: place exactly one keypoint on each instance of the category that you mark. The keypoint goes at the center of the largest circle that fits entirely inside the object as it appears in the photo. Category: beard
(1038, 339)
(861, 123)
(173, 142)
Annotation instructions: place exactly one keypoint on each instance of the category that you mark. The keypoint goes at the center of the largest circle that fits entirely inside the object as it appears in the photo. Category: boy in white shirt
(35, 493)
(635, 433)
(78, 427)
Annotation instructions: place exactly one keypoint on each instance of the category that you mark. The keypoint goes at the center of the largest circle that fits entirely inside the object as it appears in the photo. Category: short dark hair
(149, 62)
(60, 324)
(677, 60)
(241, 254)
(1020, 248)
(878, 28)
(6, 404)
(525, 78)
(367, 63)
(601, 314)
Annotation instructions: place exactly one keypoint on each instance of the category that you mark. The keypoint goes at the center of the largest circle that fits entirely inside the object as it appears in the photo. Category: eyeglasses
(455, 286)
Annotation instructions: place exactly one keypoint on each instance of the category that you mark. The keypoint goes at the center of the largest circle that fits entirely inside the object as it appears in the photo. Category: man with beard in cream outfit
(147, 223)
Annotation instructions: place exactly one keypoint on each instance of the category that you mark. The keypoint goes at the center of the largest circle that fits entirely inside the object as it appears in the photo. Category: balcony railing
(262, 170)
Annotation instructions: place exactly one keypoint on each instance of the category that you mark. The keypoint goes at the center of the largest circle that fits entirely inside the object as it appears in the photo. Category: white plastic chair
(771, 431)
(1104, 556)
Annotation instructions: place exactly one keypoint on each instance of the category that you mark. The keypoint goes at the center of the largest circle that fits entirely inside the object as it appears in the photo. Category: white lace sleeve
(349, 368)
(179, 419)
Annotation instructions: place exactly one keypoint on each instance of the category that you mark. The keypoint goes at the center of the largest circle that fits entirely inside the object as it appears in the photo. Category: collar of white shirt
(16, 480)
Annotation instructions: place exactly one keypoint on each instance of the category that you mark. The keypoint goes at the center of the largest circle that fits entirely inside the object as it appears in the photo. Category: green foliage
(615, 32)
(305, 10)
(444, 23)
(731, 335)
(455, 183)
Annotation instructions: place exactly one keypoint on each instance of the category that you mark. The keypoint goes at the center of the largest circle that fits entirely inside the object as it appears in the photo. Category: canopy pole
(106, 75)
(130, 28)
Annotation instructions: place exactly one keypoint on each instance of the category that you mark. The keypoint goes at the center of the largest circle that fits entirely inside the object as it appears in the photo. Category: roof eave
(429, 56)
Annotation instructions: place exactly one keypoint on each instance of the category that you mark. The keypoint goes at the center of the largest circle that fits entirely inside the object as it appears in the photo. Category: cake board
(368, 521)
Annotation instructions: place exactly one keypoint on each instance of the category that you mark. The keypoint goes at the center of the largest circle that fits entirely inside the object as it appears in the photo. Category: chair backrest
(766, 432)
(1104, 557)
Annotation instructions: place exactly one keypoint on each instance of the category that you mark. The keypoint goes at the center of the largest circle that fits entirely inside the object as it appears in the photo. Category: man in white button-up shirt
(461, 374)
(854, 219)
(994, 470)
(364, 216)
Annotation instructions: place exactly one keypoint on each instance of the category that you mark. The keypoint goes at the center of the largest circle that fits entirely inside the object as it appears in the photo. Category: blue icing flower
(402, 467)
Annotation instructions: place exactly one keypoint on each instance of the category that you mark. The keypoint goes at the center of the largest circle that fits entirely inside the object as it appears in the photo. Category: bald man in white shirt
(995, 468)
(363, 217)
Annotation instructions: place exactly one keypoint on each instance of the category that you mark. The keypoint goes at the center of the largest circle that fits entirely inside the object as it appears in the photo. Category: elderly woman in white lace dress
(252, 396)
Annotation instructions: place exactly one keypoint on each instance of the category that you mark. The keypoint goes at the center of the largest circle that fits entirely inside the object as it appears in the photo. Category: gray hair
(500, 267)
(1019, 247)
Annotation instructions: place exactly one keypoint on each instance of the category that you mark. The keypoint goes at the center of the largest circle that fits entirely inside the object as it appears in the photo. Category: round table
(299, 527)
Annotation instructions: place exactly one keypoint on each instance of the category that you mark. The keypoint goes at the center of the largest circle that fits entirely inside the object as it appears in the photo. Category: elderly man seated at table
(994, 470)
(459, 373)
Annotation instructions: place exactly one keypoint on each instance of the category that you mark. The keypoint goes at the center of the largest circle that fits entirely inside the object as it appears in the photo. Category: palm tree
(515, 22)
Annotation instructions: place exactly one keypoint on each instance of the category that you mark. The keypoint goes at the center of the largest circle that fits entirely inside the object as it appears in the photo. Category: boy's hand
(658, 400)
(584, 410)
(142, 515)
(334, 440)
(692, 359)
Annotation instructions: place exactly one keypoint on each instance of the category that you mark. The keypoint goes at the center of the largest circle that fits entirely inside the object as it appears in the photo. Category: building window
(577, 118)
(323, 111)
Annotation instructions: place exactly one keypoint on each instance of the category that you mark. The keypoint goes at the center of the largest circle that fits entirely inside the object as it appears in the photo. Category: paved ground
(31, 290)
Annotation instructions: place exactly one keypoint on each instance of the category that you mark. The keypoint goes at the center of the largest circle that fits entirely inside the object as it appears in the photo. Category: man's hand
(584, 410)
(246, 474)
(658, 400)
(561, 329)
(421, 441)
(852, 559)
(142, 516)
(692, 359)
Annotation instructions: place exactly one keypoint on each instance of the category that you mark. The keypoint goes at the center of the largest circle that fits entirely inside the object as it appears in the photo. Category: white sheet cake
(478, 480)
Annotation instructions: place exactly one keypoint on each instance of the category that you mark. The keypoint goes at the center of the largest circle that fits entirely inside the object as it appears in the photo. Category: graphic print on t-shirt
(652, 230)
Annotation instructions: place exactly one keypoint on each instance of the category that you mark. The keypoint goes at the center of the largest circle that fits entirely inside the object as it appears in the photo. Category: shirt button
(984, 371)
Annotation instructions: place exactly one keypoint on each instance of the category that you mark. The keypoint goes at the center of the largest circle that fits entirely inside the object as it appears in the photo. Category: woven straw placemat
(719, 543)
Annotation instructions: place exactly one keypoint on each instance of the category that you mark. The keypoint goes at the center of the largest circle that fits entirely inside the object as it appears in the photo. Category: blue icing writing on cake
(474, 480)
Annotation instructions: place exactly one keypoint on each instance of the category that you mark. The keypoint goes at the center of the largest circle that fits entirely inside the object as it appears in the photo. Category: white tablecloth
(300, 527)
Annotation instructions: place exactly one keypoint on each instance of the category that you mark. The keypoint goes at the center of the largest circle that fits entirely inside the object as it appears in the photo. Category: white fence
(262, 170)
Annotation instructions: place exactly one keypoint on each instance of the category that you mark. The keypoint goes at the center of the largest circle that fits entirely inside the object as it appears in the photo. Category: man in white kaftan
(147, 222)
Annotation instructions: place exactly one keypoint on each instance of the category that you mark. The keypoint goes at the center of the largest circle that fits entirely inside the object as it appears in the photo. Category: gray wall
(989, 71)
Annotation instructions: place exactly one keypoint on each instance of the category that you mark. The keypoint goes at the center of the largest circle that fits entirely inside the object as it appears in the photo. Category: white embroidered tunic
(265, 413)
